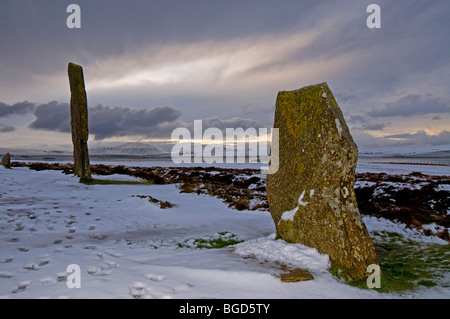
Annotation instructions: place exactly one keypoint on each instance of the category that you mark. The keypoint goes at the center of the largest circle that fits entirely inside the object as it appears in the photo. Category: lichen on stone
(318, 158)
(79, 122)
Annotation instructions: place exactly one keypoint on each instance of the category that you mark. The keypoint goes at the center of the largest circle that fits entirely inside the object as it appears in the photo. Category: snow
(362, 184)
(443, 187)
(267, 248)
(401, 169)
(338, 126)
(289, 215)
(381, 225)
(300, 200)
(127, 247)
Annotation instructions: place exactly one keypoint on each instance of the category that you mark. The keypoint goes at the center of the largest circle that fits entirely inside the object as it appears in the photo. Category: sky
(153, 66)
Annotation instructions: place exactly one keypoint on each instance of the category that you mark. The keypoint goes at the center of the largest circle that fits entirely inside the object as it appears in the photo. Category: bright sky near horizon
(153, 66)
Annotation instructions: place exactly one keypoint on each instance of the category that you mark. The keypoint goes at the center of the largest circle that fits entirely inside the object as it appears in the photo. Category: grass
(409, 266)
(224, 239)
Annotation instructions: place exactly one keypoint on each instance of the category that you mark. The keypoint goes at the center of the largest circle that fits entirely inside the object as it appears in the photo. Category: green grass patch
(221, 240)
(408, 266)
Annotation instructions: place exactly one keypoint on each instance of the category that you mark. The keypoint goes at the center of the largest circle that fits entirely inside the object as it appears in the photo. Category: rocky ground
(416, 200)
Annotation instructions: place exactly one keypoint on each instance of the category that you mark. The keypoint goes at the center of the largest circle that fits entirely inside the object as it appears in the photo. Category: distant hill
(134, 149)
(127, 149)
(429, 151)
(35, 152)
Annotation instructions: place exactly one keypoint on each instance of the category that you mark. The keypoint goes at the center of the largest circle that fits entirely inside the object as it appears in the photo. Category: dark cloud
(422, 138)
(53, 116)
(107, 122)
(365, 124)
(357, 119)
(6, 128)
(120, 38)
(234, 122)
(373, 126)
(251, 108)
(411, 105)
(110, 28)
(346, 97)
(20, 108)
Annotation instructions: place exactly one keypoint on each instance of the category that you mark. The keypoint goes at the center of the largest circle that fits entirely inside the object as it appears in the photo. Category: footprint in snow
(44, 261)
(61, 276)
(6, 260)
(32, 266)
(155, 277)
(47, 281)
(22, 286)
(4, 274)
(183, 288)
(113, 253)
(111, 263)
(98, 271)
(139, 291)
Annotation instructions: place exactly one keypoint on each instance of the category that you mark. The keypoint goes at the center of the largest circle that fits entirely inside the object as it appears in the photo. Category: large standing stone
(311, 197)
(79, 122)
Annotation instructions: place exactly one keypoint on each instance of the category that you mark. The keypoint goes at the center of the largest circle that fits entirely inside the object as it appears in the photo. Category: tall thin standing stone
(311, 196)
(79, 122)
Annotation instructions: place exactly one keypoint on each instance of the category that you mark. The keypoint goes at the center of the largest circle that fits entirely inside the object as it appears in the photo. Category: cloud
(365, 123)
(373, 126)
(20, 108)
(6, 128)
(366, 140)
(105, 121)
(253, 108)
(53, 116)
(223, 59)
(346, 97)
(411, 105)
(109, 122)
(421, 138)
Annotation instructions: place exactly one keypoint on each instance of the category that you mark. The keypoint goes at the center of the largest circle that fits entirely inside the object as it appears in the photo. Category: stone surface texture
(311, 197)
(79, 122)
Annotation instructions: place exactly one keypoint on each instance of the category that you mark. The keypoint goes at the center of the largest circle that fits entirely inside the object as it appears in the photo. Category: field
(205, 232)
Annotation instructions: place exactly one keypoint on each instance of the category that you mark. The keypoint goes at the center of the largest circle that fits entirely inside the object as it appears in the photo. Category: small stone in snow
(295, 275)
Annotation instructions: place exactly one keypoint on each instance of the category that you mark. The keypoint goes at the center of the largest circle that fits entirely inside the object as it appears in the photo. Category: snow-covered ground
(127, 247)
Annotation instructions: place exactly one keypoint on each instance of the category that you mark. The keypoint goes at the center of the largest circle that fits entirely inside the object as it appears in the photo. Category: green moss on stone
(318, 153)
